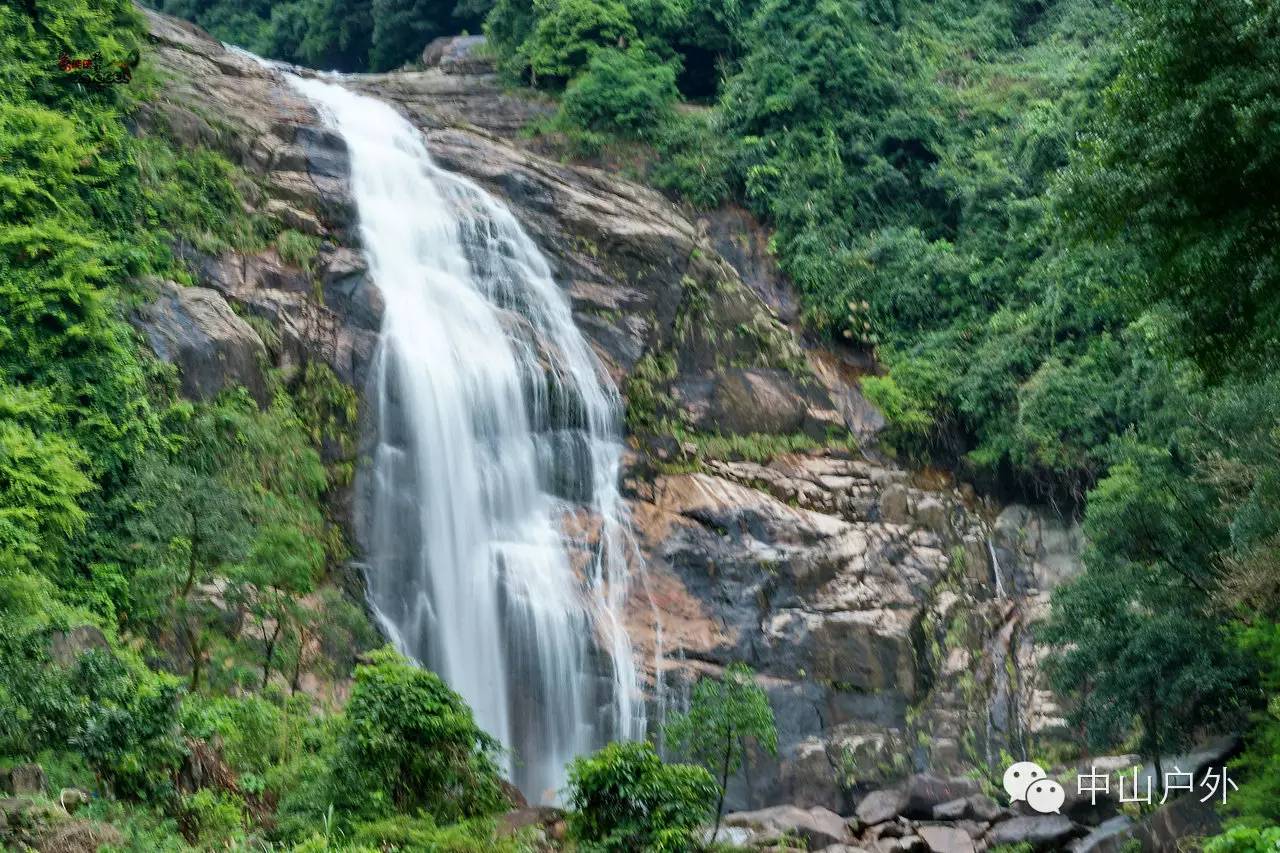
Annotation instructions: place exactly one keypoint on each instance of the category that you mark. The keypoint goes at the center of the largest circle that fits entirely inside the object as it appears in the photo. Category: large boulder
(756, 401)
(881, 806)
(945, 839)
(24, 780)
(1043, 832)
(925, 792)
(1170, 827)
(458, 55)
(66, 646)
(894, 506)
(818, 827)
(214, 349)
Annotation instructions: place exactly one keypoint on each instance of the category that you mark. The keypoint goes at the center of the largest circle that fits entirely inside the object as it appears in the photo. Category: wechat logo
(1026, 781)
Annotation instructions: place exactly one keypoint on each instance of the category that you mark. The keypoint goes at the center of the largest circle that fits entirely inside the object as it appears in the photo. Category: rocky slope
(886, 616)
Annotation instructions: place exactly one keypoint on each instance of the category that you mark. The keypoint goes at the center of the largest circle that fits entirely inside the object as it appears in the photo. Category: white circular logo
(1019, 776)
(1046, 796)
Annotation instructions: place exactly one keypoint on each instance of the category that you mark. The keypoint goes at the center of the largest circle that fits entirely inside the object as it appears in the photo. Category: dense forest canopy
(1055, 223)
(342, 35)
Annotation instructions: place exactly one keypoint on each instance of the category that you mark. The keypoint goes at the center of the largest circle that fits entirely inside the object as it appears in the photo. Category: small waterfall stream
(497, 432)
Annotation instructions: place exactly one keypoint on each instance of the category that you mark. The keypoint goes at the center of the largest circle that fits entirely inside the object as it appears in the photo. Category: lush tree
(620, 91)
(1139, 644)
(625, 798)
(282, 567)
(410, 744)
(190, 527)
(1184, 164)
(329, 638)
(568, 33)
(119, 716)
(724, 716)
(402, 28)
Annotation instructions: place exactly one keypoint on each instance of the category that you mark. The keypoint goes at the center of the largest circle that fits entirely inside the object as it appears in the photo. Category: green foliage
(723, 716)
(120, 717)
(695, 164)
(905, 413)
(237, 498)
(422, 834)
(569, 33)
(253, 731)
(194, 196)
(297, 248)
(213, 820)
(1257, 802)
(346, 35)
(554, 40)
(1184, 164)
(623, 92)
(410, 744)
(756, 447)
(42, 482)
(128, 731)
(1242, 839)
(625, 798)
(1139, 641)
(906, 157)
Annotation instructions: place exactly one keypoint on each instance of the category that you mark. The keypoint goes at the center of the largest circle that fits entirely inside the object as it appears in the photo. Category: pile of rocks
(928, 814)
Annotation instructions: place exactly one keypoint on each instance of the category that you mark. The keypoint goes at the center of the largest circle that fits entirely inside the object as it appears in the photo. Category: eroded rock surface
(195, 328)
(866, 605)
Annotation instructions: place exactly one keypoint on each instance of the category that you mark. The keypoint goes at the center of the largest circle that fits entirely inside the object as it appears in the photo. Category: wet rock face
(850, 615)
(225, 101)
(195, 328)
(1048, 547)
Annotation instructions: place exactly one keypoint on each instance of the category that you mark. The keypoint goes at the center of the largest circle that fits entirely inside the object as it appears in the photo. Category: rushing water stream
(496, 426)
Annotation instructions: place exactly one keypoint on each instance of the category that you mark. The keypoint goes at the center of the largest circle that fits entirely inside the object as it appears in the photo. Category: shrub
(1242, 839)
(694, 159)
(722, 716)
(409, 743)
(250, 728)
(569, 32)
(128, 727)
(624, 798)
(118, 714)
(213, 820)
(904, 413)
(628, 92)
(298, 249)
(406, 833)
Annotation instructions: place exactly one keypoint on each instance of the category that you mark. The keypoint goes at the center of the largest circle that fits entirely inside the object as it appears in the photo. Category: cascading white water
(496, 427)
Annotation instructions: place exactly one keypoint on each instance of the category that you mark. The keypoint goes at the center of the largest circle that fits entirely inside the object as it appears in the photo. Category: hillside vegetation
(1055, 224)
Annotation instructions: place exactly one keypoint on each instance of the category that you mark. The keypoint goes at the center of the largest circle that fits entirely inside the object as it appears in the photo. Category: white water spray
(496, 426)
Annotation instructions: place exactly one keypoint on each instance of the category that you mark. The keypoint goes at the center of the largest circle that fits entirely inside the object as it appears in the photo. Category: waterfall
(496, 539)
(995, 567)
